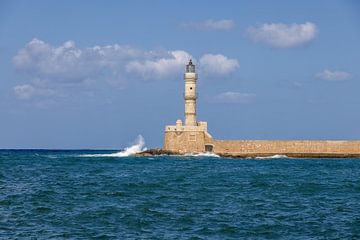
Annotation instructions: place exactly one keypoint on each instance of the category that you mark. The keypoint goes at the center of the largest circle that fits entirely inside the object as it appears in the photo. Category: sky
(96, 74)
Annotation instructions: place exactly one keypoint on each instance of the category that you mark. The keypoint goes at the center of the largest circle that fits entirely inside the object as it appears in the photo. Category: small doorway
(209, 148)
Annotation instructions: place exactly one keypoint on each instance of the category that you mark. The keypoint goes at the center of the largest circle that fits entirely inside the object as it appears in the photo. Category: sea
(93, 194)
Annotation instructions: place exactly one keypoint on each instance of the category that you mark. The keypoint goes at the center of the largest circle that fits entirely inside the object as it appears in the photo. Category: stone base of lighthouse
(187, 139)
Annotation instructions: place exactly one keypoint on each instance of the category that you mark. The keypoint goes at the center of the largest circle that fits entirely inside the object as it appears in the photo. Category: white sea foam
(205, 154)
(137, 147)
(273, 157)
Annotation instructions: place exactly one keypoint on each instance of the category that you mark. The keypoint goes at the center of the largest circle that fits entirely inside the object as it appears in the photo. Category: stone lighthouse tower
(192, 136)
(190, 94)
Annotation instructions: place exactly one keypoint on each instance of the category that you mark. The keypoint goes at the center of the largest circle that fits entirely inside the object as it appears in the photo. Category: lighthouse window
(191, 88)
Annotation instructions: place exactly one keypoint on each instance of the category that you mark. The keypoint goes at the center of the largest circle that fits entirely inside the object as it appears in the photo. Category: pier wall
(291, 148)
(195, 140)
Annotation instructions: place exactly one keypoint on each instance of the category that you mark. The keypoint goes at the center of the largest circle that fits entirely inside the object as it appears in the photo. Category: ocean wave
(137, 147)
(205, 154)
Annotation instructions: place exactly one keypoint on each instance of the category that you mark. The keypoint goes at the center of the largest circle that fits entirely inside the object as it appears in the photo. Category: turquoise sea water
(74, 195)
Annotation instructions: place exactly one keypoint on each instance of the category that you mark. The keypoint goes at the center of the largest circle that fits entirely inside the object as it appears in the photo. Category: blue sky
(95, 74)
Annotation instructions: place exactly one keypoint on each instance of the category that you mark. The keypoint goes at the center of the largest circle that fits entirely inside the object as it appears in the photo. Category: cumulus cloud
(67, 63)
(53, 67)
(210, 24)
(161, 67)
(218, 64)
(234, 97)
(281, 35)
(329, 75)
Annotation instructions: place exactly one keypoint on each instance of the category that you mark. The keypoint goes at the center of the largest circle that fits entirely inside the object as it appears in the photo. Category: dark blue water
(61, 194)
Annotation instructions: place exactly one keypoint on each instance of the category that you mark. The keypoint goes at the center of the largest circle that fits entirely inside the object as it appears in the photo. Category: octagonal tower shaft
(190, 96)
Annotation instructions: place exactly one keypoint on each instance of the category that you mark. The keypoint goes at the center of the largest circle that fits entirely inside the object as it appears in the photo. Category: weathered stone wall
(192, 139)
(184, 141)
(296, 148)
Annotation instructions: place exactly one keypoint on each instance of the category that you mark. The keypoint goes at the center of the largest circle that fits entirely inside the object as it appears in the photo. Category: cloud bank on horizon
(48, 67)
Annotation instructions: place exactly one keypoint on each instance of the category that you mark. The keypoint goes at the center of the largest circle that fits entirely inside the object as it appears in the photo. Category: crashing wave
(137, 147)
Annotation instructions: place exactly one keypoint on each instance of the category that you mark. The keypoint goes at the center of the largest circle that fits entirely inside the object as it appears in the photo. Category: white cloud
(234, 97)
(218, 64)
(281, 35)
(210, 24)
(55, 67)
(67, 63)
(26, 91)
(159, 68)
(333, 75)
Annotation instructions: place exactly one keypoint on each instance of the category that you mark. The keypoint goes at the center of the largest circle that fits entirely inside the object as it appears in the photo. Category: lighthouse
(190, 135)
(190, 78)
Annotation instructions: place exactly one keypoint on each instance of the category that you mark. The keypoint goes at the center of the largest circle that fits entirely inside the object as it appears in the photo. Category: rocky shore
(156, 152)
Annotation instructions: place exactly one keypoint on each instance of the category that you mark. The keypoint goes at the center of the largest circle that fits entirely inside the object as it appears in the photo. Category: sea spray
(137, 147)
